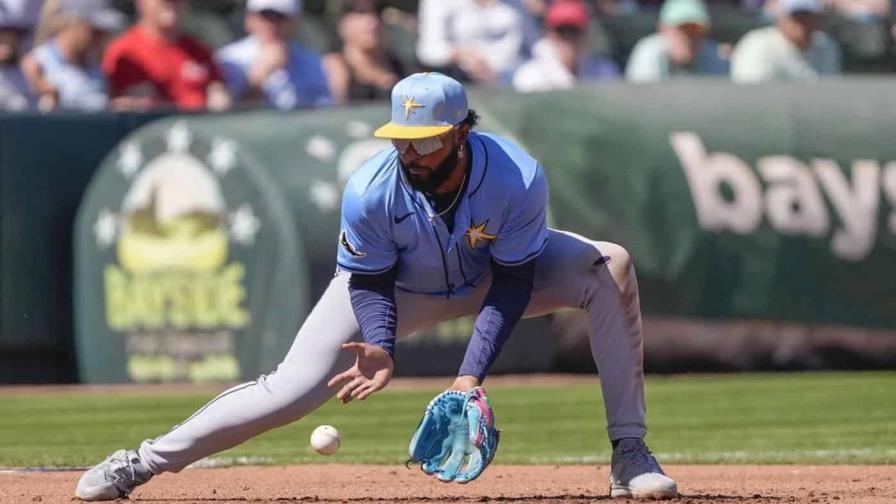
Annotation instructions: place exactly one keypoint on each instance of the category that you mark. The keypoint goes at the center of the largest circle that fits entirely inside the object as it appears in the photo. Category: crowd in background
(91, 55)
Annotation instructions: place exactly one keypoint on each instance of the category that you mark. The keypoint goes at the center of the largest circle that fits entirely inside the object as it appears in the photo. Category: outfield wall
(752, 212)
(46, 162)
(772, 202)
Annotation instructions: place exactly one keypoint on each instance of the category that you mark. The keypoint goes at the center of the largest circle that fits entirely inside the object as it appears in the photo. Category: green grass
(766, 418)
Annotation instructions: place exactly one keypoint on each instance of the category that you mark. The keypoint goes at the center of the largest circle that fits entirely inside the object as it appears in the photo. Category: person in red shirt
(153, 64)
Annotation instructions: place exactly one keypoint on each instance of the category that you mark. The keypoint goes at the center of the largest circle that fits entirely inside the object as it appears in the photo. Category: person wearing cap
(794, 49)
(15, 94)
(678, 48)
(486, 40)
(154, 65)
(364, 68)
(560, 59)
(443, 222)
(64, 71)
(25, 14)
(268, 67)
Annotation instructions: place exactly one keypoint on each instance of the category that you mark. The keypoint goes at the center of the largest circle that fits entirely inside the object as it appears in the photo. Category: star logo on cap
(409, 106)
(475, 234)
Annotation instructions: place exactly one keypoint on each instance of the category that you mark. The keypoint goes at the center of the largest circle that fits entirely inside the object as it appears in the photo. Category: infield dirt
(739, 484)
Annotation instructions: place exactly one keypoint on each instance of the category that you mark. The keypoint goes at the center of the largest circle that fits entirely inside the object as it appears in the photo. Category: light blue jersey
(501, 216)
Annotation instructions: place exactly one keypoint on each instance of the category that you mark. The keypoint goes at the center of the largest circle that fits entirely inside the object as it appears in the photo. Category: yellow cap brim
(399, 132)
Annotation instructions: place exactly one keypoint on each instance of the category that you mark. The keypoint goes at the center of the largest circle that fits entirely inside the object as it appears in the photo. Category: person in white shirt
(794, 49)
(560, 59)
(14, 93)
(65, 69)
(485, 39)
(680, 46)
(267, 66)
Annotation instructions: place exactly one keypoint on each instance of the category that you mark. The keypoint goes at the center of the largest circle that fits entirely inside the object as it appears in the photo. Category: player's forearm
(373, 301)
(503, 307)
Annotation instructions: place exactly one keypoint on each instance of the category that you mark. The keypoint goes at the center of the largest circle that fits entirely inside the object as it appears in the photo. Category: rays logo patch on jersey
(475, 234)
(343, 240)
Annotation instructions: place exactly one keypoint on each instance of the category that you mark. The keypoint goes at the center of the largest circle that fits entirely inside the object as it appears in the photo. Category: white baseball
(325, 439)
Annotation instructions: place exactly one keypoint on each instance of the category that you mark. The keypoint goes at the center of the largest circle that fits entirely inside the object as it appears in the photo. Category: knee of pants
(619, 263)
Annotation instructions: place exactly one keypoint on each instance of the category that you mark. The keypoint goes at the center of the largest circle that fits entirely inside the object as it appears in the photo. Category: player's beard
(430, 181)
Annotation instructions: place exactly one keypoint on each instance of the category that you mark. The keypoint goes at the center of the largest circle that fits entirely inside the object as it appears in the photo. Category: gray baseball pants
(572, 272)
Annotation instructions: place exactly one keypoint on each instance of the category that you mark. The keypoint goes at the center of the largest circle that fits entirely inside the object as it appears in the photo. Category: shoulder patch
(351, 249)
(477, 233)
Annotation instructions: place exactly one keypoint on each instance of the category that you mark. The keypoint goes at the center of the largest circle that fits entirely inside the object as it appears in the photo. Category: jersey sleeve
(324, 95)
(749, 62)
(120, 69)
(524, 233)
(204, 56)
(234, 77)
(365, 243)
(216, 74)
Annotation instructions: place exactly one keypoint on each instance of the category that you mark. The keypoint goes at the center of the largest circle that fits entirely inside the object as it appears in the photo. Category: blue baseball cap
(425, 105)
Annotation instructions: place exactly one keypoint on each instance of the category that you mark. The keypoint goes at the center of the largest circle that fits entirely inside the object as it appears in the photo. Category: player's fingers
(344, 395)
(354, 346)
(363, 388)
(336, 380)
(346, 389)
(368, 389)
(342, 377)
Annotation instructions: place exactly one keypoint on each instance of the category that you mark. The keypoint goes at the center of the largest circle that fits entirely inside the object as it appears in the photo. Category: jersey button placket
(436, 231)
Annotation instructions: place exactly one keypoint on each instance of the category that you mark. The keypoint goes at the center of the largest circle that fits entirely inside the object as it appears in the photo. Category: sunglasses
(423, 146)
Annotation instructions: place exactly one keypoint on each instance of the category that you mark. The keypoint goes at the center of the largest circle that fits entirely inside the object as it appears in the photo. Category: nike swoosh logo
(399, 220)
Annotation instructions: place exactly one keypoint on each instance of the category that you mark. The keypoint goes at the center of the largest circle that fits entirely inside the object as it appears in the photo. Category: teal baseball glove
(456, 439)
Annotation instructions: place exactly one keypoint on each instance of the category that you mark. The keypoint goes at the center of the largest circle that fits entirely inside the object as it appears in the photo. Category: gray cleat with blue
(114, 478)
(635, 473)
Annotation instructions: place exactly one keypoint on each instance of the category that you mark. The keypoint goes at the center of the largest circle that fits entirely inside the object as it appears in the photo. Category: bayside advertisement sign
(177, 240)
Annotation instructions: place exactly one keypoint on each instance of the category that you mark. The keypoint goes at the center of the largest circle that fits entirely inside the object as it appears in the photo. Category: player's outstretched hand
(371, 372)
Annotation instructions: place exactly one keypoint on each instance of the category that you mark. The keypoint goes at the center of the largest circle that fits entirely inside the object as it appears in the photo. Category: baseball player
(446, 223)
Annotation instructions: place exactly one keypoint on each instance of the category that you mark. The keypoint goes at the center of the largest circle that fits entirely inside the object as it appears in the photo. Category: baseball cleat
(635, 473)
(113, 478)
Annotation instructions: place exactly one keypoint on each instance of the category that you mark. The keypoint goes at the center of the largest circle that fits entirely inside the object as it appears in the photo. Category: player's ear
(461, 134)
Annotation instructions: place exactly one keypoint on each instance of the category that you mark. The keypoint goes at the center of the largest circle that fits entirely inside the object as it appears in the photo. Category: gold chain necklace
(456, 198)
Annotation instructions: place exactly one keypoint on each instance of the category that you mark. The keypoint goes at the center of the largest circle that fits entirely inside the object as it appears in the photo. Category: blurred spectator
(862, 9)
(614, 8)
(266, 65)
(679, 47)
(14, 92)
(792, 50)
(64, 70)
(27, 14)
(364, 69)
(537, 8)
(532, 12)
(560, 58)
(485, 39)
(864, 32)
(153, 64)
